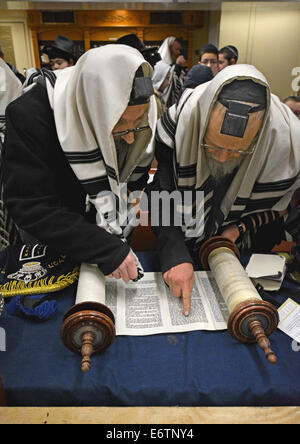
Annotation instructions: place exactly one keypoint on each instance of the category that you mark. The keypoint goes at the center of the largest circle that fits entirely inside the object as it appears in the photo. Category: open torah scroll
(148, 306)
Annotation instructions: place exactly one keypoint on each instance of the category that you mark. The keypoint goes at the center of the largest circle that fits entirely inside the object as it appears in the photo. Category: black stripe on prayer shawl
(168, 125)
(234, 215)
(84, 157)
(241, 201)
(274, 186)
(95, 185)
(111, 173)
(42, 73)
(206, 187)
(267, 187)
(33, 76)
(252, 206)
(177, 86)
(261, 204)
(186, 171)
(51, 77)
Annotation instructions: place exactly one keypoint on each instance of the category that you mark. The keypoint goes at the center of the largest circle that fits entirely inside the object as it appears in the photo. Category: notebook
(267, 269)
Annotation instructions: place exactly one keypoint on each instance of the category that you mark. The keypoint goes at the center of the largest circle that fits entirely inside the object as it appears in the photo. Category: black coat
(42, 193)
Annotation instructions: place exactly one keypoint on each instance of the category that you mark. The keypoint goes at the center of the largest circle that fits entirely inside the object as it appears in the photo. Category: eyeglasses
(207, 61)
(226, 150)
(134, 130)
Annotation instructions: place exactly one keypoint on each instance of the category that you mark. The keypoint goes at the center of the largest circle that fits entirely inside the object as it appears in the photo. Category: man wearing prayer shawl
(161, 83)
(73, 140)
(171, 54)
(235, 148)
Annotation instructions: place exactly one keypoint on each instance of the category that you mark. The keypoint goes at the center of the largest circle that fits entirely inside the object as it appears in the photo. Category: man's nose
(223, 156)
(129, 138)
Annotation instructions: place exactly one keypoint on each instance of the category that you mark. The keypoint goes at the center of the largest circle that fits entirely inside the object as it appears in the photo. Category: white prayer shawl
(170, 95)
(265, 180)
(164, 50)
(10, 89)
(171, 92)
(160, 71)
(88, 101)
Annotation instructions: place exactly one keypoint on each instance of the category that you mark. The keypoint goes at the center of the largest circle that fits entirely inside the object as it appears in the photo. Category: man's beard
(120, 143)
(219, 170)
(122, 148)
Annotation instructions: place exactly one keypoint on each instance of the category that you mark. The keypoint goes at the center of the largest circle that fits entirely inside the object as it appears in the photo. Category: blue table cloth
(198, 368)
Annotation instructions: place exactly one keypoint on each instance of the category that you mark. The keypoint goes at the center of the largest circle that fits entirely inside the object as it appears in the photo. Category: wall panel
(267, 36)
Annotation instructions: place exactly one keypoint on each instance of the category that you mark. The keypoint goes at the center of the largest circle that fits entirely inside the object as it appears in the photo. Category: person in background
(150, 53)
(228, 55)
(209, 57)
(197, 75)
(171, 52)
(161, 82)
(293, 102)
(12, 67)
(60, 53)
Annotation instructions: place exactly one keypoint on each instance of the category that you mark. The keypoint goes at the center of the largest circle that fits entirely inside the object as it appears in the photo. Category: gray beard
(120, 143)
(219, 170)
(122, 152)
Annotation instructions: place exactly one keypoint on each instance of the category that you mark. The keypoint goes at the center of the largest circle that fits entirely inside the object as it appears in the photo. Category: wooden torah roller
(251, 319)
(88, 327)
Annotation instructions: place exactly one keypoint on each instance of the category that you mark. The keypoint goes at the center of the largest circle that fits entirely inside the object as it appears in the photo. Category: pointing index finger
(186, 299)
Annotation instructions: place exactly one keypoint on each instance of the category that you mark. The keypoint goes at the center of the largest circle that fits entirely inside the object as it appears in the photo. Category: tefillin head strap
(237, 114)
(142, 89)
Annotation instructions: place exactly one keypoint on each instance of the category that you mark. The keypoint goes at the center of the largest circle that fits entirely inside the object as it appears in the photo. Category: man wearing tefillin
(72, 140)
(234, 144)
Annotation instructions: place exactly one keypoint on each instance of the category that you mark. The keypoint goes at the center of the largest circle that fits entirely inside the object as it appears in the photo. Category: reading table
(198, 368)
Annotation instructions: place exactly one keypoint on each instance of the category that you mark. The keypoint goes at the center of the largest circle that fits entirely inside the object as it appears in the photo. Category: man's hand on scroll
(127, 270)
(180, 280)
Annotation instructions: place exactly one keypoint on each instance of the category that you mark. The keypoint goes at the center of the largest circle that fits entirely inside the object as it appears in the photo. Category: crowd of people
(79, 143)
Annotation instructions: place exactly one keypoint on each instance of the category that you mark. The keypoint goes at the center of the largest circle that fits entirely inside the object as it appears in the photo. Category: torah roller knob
(88, 327)
(251, 319)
